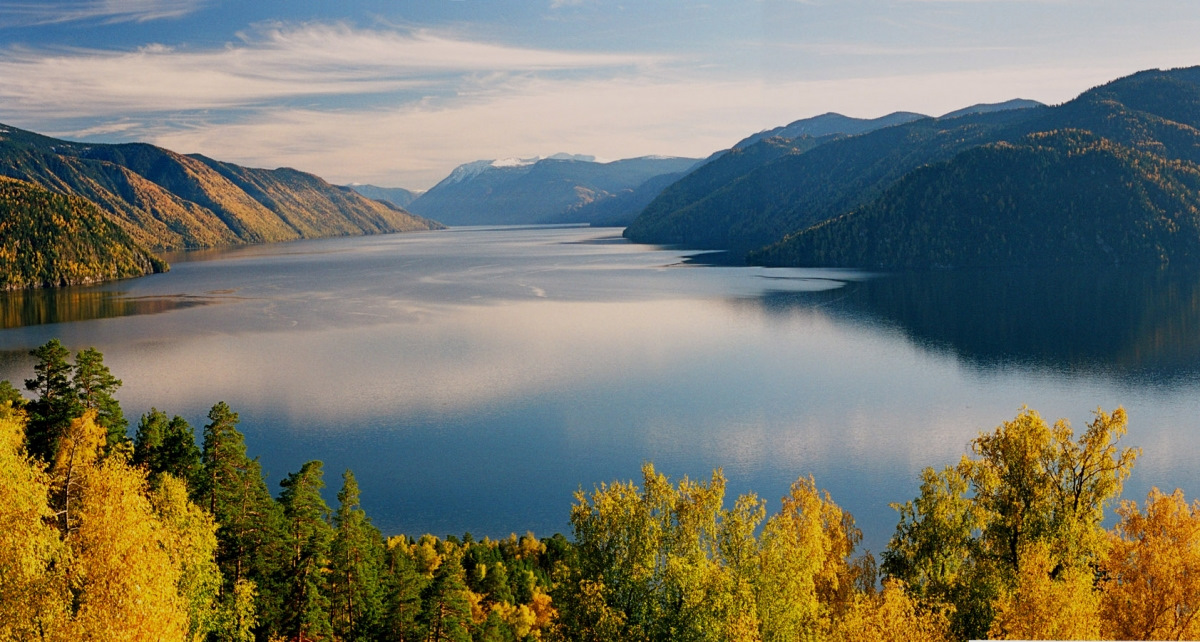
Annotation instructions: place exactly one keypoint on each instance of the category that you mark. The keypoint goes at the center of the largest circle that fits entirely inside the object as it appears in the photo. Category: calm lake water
(475, 378)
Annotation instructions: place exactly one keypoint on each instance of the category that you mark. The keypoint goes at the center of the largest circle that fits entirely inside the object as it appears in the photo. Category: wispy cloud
(28, 13)
(272, 63)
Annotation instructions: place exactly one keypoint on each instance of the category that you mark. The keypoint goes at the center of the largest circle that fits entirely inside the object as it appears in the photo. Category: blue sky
(398, 93)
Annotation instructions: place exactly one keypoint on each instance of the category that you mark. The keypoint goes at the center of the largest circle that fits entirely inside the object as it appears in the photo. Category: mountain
(397, 196)
(1138, 141)
(49, 239)
(831, 123)
(168, 201)
(538, 190)
(1058, 198)
(1155, 112)
(761, 202)
(621, 208)
(983, 108)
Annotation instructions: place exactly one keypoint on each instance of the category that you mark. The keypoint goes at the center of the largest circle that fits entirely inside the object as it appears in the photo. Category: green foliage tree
(249, 536)
(403, 586)
(167, 446)
(95, 384)
(307, 538)
(56, 402)
(356, 568)
(446, 611)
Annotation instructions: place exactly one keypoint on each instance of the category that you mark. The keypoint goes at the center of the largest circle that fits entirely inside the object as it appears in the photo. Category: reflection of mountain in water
(1140, 325)
(35, 307)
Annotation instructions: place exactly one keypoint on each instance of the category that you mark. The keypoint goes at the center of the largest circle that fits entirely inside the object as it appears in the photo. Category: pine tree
(403, 585)
(95, 385)
(169, 447)
(356, 568)
(308, 538)
(446, 613)
(231, 487)
(57, 402)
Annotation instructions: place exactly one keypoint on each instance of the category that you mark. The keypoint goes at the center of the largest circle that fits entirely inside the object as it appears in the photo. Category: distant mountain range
(1111, 177)
(161, 200)
(397, 196)
(559, 189)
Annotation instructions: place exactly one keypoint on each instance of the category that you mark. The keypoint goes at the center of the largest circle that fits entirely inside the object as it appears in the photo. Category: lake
(475, 378)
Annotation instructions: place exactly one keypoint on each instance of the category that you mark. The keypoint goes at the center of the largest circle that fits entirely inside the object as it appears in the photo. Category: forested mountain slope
(1059, 198)
(48, 239)
(1151, 114)
(792, 191)
(168, 201)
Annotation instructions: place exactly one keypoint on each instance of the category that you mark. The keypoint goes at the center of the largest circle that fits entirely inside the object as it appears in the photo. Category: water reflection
(1137, 326)
(61, 305)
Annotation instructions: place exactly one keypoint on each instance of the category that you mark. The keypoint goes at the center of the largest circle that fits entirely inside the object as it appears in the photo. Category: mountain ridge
(539, 190)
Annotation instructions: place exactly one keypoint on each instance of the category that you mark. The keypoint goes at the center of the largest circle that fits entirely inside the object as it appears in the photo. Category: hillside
(168, 201)
(767, 200)
(1058, 198)
(48, 240)
(511, 191)
(1152, 112)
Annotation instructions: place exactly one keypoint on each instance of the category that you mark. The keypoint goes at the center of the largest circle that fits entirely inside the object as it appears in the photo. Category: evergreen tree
(57, 402)
(231, 487)
(356, 566)
(403, 585)
(446, 613)
(164, 446)
(308, 537)
(95, 385)
(12, 395)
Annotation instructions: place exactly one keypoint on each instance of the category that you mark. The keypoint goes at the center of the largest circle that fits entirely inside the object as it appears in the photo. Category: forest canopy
(161, 536)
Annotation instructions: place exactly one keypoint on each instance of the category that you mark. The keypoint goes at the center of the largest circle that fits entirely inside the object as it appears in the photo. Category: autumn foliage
(162, 540)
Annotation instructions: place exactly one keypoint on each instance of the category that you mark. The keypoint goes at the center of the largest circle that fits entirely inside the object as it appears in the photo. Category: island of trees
(103, 537)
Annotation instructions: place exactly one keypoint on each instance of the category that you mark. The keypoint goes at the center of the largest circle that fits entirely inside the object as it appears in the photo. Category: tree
(190, 537)
(892, 615)
(1034, 483)
(11, 395)
(249, 536)
(403, 585)
(1151, 585)
(56, 402)
(94, 385)
(308, 537)
(805, 575)
(1031, 489)
(125, 580)
(79, 449)
(1048, 604)
(446, 612)
(356, 560)
(168, 447)
(33, 584)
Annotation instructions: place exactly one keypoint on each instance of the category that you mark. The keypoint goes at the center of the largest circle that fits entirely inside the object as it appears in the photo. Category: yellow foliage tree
(124, 577)
(1051, 601)
(805, 576)
(893, 615)
(190, 536)
(1152, 585)
(33, 597)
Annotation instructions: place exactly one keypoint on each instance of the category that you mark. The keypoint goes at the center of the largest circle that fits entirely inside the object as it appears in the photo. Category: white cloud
(276, 62)
(28, 13)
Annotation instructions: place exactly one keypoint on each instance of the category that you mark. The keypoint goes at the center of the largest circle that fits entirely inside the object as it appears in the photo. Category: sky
(397, 93)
